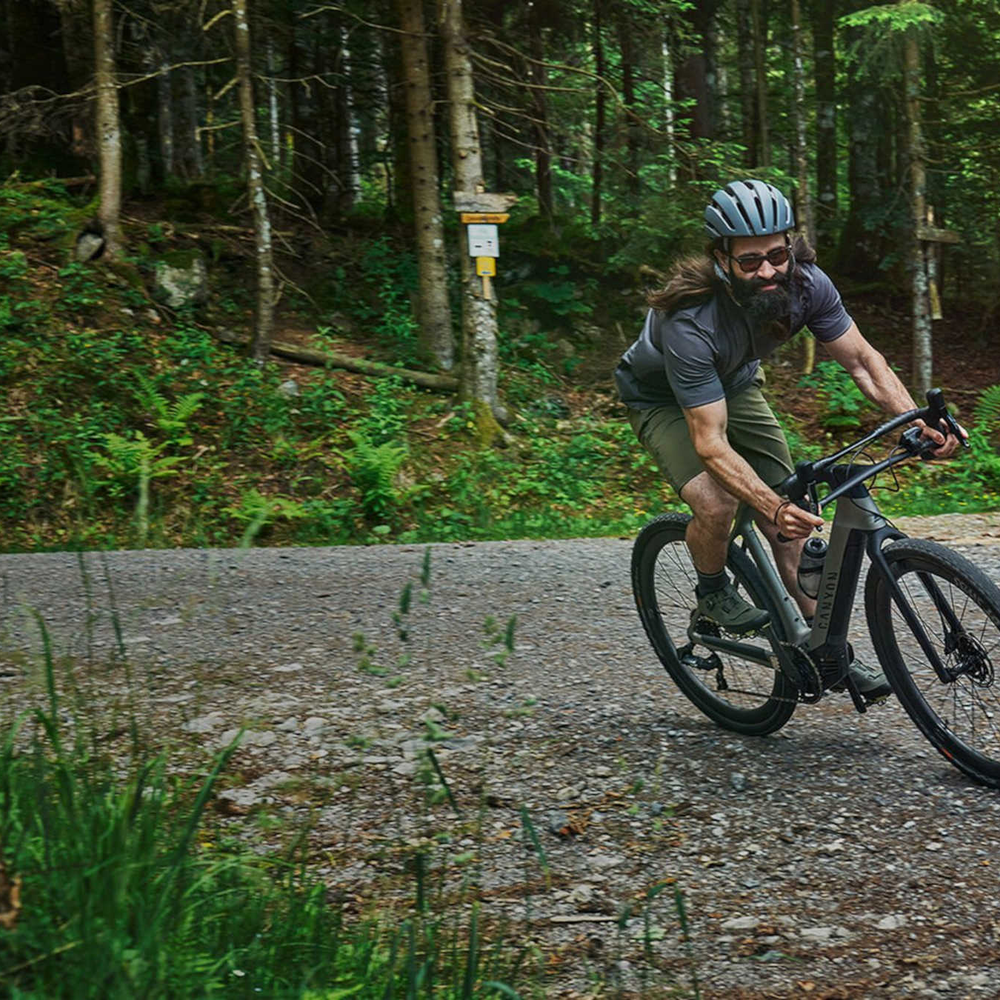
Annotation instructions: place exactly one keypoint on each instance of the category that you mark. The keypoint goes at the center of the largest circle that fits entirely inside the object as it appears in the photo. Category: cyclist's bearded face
(764, 299)
(762, 292)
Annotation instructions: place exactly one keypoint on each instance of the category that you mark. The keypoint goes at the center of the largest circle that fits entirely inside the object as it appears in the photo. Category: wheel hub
(970, 659)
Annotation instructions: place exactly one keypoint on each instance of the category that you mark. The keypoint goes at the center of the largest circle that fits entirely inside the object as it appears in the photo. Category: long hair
(693, 279)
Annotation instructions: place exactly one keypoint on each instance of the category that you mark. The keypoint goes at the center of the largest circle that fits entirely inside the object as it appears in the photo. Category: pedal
(692, 661)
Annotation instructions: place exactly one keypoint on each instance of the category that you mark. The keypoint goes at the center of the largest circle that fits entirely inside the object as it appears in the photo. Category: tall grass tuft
(110, 887)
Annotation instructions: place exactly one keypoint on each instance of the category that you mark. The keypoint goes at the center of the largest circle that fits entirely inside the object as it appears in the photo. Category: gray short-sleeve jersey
(709, 351)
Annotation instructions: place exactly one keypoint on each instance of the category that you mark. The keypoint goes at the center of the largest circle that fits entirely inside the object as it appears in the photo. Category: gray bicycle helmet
(748, 208)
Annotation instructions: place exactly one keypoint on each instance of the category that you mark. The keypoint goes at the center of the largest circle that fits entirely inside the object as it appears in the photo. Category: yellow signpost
(486, 268)
(481, 212)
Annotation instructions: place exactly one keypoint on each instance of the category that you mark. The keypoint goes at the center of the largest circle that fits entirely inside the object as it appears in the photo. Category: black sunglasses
(750, 262)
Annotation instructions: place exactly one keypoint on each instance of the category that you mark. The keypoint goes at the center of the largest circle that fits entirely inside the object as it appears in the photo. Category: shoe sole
(748, 630)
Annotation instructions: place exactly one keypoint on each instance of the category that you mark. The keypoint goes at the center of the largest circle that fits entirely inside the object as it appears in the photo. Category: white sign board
(483, 241)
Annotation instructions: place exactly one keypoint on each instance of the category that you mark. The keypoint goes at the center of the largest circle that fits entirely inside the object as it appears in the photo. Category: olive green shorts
(751, 428)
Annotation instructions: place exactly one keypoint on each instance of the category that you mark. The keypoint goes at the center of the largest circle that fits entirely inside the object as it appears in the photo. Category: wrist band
(780, 507)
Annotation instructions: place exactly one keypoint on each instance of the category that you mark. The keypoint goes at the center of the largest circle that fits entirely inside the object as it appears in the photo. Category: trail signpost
(484, 244)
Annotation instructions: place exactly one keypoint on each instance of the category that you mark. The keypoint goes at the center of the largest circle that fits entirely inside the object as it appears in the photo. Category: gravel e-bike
(933, 616)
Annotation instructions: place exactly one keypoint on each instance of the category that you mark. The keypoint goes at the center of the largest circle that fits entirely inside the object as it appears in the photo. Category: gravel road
(840, 857)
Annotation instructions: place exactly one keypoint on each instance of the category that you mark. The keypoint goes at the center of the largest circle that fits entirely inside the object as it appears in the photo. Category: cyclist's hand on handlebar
(794, 522)
(947, 442)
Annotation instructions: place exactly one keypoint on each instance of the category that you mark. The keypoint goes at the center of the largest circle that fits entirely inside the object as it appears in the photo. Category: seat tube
(856, 517)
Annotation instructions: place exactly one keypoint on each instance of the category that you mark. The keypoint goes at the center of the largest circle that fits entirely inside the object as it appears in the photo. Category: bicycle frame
(858, 526)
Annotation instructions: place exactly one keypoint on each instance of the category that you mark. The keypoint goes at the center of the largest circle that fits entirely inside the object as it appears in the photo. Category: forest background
(216, 222)
(237, 306)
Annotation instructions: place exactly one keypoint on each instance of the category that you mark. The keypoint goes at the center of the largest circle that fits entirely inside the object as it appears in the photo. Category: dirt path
(839, 858)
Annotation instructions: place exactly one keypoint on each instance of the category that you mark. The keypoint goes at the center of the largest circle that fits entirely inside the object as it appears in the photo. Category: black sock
(708, 583)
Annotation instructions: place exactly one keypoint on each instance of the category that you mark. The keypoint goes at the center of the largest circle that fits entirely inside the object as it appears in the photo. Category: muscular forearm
(881, 385)
(739, 479)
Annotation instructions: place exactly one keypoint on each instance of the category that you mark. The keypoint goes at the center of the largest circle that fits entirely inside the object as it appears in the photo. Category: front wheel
(955, 615)
(738, 694)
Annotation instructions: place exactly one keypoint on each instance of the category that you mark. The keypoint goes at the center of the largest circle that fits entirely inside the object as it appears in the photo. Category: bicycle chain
(809, 683)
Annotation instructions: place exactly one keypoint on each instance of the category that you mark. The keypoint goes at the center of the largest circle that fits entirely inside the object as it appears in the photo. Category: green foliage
(373, 470)
(894, 17)
(257, 511)
(170, 418)
(390, 274)
(840, 395)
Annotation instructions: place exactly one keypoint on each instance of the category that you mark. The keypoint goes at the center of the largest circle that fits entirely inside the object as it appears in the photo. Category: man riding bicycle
(692, 383)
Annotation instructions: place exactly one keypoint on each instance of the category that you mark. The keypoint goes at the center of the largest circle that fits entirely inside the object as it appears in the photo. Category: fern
(170, 418)
(373, 469)
(986, 415)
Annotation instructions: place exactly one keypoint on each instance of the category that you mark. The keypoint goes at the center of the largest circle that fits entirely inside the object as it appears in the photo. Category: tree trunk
(435, 312)
(274, 119)
(803, 202)
(627, 49)
(264, 313)
(922, 358)
(859, 247)
(597, 176)
(108, 128)
(826, 123)
(666, 54)
(760, 69)
(748, 94)
(352, 163)
(76, 28)
(543, 143)
(165, 116)
(696, 74)
(479, 319)
(187, 158)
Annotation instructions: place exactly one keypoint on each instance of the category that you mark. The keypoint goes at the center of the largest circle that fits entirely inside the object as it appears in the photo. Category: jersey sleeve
(825, 314)
(691, 364)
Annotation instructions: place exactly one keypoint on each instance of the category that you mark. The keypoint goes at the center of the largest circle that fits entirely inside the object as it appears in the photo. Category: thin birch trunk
(435, 312)
(272, 106)
(108, 128)
(668, 104)
(260, 345)
(353, 187)
(922, 355)
(479, 317)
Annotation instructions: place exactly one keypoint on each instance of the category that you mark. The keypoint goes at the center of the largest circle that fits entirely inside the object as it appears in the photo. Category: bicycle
(933, 616)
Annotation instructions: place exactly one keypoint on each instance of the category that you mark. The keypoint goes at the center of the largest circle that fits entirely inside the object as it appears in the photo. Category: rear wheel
(738, 694)
(956, 613)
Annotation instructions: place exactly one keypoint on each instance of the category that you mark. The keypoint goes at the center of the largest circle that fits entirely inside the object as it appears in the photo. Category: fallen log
(333, 359)
(38, 185)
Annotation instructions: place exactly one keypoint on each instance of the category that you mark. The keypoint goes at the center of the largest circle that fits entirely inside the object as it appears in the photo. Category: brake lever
(952, 424)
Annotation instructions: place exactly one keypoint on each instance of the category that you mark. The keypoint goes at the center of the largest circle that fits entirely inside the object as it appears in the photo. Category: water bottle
(811, 566)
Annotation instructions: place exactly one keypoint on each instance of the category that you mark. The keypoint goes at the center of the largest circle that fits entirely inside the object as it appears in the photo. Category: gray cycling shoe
(870, 681)
(728, 610)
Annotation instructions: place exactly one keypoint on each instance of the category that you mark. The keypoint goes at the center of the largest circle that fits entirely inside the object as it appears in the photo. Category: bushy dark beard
(762, 307)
